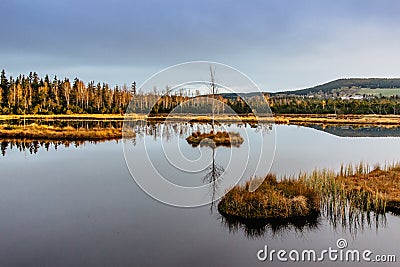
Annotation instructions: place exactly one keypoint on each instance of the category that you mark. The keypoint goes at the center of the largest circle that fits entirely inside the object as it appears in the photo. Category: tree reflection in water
(353, 222)
(215, 171)
(33, 146)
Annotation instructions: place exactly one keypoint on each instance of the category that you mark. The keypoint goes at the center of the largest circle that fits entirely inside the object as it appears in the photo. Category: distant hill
(346, 84)
(244, 95)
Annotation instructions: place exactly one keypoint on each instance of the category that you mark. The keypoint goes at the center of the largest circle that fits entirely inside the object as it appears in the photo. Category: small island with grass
(215, 139)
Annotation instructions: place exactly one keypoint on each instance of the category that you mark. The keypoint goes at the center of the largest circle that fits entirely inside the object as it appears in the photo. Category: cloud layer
(280, 44)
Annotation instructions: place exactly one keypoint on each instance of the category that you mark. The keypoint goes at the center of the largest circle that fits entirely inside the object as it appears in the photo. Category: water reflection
(169, 129)
(33, 146)
(75, 122)
(212, 177)
(358, 131)
(337, 130)
(352, 221)
(256, 229)
(142, 128)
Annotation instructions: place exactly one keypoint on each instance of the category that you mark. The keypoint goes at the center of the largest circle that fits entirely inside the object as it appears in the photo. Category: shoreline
(43, 132)
(35, 131)
(366, 119)
(332, 119)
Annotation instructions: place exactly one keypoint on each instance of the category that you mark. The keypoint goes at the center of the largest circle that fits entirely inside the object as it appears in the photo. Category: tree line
(31, 94)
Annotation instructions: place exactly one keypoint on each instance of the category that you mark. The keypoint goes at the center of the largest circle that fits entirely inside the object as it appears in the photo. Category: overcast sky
(279, 44)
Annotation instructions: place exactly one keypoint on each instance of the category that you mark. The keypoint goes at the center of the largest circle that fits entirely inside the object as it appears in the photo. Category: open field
(387, 92)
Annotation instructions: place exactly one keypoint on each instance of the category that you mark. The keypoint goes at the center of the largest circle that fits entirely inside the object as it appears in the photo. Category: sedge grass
(347, 195)
(357, 186)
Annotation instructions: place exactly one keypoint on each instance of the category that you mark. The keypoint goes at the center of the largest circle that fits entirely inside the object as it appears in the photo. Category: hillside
(353, 86)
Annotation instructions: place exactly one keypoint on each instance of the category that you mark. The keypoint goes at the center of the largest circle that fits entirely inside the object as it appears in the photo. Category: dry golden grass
(299, 119)
(94, 117)
(272, 200)
(356, 185)
(381, 185)
(44, 132)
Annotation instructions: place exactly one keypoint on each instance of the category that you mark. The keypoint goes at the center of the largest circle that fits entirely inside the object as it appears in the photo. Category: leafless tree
(213, 90)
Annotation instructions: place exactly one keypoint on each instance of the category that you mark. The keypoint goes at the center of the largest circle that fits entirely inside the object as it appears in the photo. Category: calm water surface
(79, 206)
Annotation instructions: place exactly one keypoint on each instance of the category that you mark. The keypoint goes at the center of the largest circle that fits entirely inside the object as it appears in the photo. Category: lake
(78, 205)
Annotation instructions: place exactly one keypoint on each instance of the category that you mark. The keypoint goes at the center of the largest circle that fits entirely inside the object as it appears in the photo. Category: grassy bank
(356, 188)
(277, 118)
(304, 119)
(9, 130)
(43, 132)
(72, 117)
(298, 119)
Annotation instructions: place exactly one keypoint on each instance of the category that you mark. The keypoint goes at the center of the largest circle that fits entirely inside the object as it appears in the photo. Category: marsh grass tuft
(272, 199)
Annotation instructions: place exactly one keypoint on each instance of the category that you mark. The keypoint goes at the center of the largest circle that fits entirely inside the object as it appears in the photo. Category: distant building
(354, 97)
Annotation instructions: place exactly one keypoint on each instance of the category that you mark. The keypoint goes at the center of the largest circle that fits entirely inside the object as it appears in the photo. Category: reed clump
(215, 139)
(271, 200)
(357, 186)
